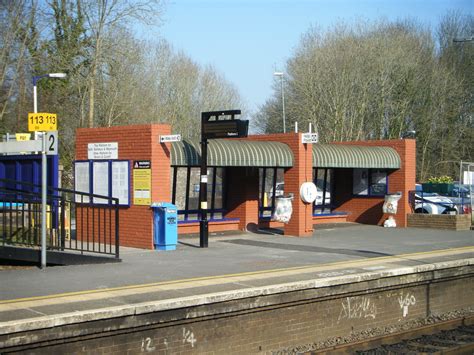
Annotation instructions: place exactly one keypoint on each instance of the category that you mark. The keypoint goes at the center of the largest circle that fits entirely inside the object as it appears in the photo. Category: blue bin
(165, 226)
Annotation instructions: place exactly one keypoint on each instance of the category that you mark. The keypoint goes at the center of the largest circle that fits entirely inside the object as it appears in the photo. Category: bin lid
(163, 205)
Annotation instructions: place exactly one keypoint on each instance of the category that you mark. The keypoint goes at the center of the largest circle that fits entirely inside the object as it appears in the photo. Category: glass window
(186, 186)
(323, 180)
(378, 183)
(180, 194)
(271, 185)
(369, 182)
(193, 203)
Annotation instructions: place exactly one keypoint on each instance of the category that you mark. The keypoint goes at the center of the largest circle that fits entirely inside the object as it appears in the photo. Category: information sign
(142, 182)
(170, 138)
(309, 138)
(23, 136)
(97, 151)
(100, 182)
(120, 181)
(82, 180)
(52, 143)
(42, 121)
(225, 129)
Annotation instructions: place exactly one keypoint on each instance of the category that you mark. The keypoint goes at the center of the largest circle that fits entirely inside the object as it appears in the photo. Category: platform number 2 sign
(52, 143)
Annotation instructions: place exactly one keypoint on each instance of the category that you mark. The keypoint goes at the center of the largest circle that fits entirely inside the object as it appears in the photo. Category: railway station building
(245, 178)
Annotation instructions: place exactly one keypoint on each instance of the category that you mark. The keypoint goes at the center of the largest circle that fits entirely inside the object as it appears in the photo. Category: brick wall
(140, 142)
(137, 142)
(440, 221)
(369, 209)
(301, 222)
(262, 324)
(242, 196)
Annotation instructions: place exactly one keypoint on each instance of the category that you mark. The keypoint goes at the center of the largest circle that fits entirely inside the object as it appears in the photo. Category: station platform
(235, 266)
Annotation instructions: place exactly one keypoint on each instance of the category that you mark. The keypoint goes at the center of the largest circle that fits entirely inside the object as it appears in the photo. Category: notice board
(142, 182)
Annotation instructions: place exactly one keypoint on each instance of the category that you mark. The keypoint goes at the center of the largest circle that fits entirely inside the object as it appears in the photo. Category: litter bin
(391, 203)
(165, 225)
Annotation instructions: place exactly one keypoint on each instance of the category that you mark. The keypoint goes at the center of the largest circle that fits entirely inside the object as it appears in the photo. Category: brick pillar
(404, 179)
(242, 196)
(135, 142)
(301, 222)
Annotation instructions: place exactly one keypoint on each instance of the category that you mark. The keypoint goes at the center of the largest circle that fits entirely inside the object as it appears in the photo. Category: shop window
(185, 192)
(369, 182)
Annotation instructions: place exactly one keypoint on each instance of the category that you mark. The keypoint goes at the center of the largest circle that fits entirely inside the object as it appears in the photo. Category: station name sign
(309, 138)
(102, 150)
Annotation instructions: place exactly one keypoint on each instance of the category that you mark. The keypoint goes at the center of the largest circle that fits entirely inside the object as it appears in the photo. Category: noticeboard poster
(82, 180)
(100, 181)
(142, 182)
(107, 178)
(120, 181)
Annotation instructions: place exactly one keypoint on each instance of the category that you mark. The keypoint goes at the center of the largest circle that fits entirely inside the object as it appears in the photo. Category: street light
(463, 39)
(281, 74)
(44, 166)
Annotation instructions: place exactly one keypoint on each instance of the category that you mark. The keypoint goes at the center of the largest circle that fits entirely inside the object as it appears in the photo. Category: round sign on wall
(308, 192)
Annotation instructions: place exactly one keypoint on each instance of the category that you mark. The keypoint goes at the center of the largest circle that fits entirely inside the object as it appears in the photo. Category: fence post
(117, 246)
(63, 230)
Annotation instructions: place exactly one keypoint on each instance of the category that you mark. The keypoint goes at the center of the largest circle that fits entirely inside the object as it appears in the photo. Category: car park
(433, 203)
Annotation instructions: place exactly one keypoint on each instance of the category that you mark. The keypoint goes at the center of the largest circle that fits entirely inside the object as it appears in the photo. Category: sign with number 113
(42, 122)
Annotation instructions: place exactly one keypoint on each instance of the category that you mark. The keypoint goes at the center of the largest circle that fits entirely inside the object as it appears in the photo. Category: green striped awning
(230, 152)
(354, 156)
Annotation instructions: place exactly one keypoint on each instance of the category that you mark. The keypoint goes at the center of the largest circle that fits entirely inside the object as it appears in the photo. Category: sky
(246, 41)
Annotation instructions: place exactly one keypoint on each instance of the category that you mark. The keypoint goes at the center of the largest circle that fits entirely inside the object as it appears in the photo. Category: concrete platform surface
(234, 263)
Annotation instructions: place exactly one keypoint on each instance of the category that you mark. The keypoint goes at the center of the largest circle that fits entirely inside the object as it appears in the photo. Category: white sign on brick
(96, 151)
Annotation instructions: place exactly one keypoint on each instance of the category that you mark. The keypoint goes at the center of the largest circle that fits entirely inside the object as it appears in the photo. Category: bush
(440, 180)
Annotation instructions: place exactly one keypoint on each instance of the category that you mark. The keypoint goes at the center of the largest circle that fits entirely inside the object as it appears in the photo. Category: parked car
(461, 197)
(432, 203)
(280, 190)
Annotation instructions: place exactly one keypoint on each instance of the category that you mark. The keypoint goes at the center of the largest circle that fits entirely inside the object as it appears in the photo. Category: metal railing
(79, 222)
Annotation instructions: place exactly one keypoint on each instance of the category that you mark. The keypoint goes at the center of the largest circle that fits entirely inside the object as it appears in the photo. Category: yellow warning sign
(141, 186)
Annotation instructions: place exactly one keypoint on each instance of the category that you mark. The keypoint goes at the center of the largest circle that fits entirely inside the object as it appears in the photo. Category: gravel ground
(374, 332)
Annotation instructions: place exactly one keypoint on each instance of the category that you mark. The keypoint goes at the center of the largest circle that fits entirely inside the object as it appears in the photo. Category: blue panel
(27, 168)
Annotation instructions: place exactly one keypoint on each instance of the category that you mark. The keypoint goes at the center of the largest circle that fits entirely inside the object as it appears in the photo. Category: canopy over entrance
(231, 152)
(354, 156)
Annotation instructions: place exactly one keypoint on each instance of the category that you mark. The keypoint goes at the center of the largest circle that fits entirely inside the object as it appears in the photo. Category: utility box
(165, 225)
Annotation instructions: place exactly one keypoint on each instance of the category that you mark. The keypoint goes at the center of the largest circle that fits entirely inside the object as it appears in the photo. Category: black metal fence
(75, 221)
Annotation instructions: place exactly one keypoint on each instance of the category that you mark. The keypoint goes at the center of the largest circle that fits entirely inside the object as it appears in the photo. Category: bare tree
(376, 81)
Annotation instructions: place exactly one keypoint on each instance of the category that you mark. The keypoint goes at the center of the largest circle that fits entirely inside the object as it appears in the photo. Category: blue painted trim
(189, 221)
(330, 214)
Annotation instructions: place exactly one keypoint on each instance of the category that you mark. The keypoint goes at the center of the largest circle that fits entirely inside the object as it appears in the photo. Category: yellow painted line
(241, 276)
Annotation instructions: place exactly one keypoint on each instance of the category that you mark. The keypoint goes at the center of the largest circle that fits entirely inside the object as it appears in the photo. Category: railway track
(448, 337)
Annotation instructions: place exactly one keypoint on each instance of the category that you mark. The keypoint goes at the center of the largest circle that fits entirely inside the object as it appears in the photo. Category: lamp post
(281, 74)
(44, 166)
(464, 39)
(36, 79)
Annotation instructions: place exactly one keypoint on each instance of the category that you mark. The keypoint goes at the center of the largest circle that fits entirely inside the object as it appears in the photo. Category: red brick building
(246, 177)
